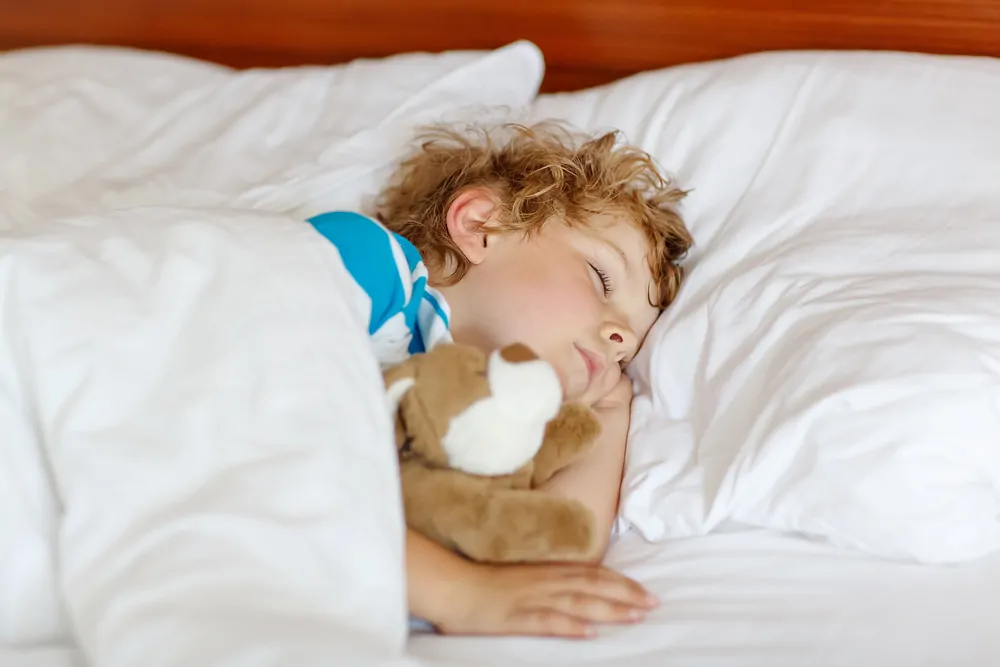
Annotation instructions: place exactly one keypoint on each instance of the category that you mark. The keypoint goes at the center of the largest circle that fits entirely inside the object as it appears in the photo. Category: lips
(593, 363)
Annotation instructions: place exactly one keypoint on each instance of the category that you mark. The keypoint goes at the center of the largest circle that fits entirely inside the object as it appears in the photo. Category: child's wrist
(456, 595)
(455, 602)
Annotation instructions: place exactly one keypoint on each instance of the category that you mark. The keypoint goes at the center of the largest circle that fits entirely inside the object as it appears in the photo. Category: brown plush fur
(490, 519)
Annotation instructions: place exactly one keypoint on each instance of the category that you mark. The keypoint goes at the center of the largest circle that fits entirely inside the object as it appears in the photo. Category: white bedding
(197, 456)
(757, 599)
(175, 156)
(750, 599)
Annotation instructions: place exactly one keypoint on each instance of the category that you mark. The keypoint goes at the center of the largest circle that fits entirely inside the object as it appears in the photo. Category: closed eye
(605, 281)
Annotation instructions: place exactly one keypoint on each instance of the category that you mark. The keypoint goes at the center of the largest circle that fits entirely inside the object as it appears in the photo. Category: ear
(467, 220)
(517, 353)
(395, 392)
(398, 381)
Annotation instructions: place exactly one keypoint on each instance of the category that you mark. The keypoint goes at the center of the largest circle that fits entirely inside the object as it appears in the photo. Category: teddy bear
(476, 435)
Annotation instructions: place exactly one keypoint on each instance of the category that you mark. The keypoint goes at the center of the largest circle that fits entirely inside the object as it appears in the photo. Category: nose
(619, 337)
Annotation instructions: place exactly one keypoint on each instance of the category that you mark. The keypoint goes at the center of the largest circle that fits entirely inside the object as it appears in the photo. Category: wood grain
(586, 42)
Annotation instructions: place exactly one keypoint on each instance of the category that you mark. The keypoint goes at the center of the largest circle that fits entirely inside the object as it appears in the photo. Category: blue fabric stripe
(437, 308)
(417, 344)
(410, 251)
(375, 257)
(366, 250)
(410, 314)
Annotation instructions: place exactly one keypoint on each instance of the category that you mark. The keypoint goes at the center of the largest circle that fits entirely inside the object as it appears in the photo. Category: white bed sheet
(760, 599)
(750, 599)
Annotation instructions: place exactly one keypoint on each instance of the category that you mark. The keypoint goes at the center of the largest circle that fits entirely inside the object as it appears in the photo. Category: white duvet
(197, 390)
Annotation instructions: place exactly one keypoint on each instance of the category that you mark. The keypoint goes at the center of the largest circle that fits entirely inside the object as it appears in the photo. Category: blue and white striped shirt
(407, 315)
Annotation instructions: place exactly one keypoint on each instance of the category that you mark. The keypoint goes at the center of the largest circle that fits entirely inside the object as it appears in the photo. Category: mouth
(591, 362)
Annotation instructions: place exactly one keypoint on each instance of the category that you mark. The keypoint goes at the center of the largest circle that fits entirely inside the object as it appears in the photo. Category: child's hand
(620, 397)
(554, 600)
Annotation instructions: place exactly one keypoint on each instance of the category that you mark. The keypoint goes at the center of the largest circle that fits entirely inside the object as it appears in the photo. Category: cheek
(550, 309)
(550, 316)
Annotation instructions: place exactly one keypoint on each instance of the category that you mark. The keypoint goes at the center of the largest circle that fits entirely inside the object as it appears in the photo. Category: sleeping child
(571, 247)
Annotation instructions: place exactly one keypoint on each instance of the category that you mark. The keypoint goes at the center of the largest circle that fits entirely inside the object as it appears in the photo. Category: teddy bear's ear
(395, 392)
(518, 353)
(398, 380)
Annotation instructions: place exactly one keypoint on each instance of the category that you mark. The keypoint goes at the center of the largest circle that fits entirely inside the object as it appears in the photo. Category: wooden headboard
(586, 42)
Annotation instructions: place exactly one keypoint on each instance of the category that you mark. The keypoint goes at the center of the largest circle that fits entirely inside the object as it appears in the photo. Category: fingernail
(651, 600)
(589, 631)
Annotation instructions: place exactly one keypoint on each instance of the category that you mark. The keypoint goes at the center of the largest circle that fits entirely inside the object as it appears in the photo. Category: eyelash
(605, 281)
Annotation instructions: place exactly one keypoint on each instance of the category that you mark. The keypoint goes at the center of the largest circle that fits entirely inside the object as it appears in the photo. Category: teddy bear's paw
(570, 435)
(575, 428)
(530, 527)
(571, 531)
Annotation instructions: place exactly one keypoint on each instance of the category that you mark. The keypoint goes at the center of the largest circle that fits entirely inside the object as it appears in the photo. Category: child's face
(578, 297)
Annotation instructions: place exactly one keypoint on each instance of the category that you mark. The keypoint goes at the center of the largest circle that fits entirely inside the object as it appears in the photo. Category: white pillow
(89, 128)
(832, 364)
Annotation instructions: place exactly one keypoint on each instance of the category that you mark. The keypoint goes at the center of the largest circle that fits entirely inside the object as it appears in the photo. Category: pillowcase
(831, 366)
(98, 128)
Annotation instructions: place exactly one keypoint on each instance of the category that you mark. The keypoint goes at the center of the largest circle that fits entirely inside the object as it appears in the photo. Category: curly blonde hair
(537, 173)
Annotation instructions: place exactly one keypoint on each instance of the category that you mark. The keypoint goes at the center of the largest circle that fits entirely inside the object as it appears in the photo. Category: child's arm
(596, 479)
(461, 597)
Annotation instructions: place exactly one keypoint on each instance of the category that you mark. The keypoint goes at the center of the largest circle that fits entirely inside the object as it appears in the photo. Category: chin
(582, 396)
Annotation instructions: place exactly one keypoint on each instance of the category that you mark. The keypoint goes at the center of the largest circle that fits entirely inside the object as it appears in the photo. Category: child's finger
(594, 609)
(600, 582)
(551, 623)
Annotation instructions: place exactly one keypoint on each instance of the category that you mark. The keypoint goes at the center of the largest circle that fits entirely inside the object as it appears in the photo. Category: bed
(815, 480)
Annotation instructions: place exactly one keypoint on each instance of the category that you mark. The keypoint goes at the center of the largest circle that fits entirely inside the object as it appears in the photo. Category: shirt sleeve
(408, 316)
(368, 252)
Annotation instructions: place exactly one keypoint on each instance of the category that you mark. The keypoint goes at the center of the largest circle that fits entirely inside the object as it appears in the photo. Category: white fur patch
(395, 392)
(500, 433)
